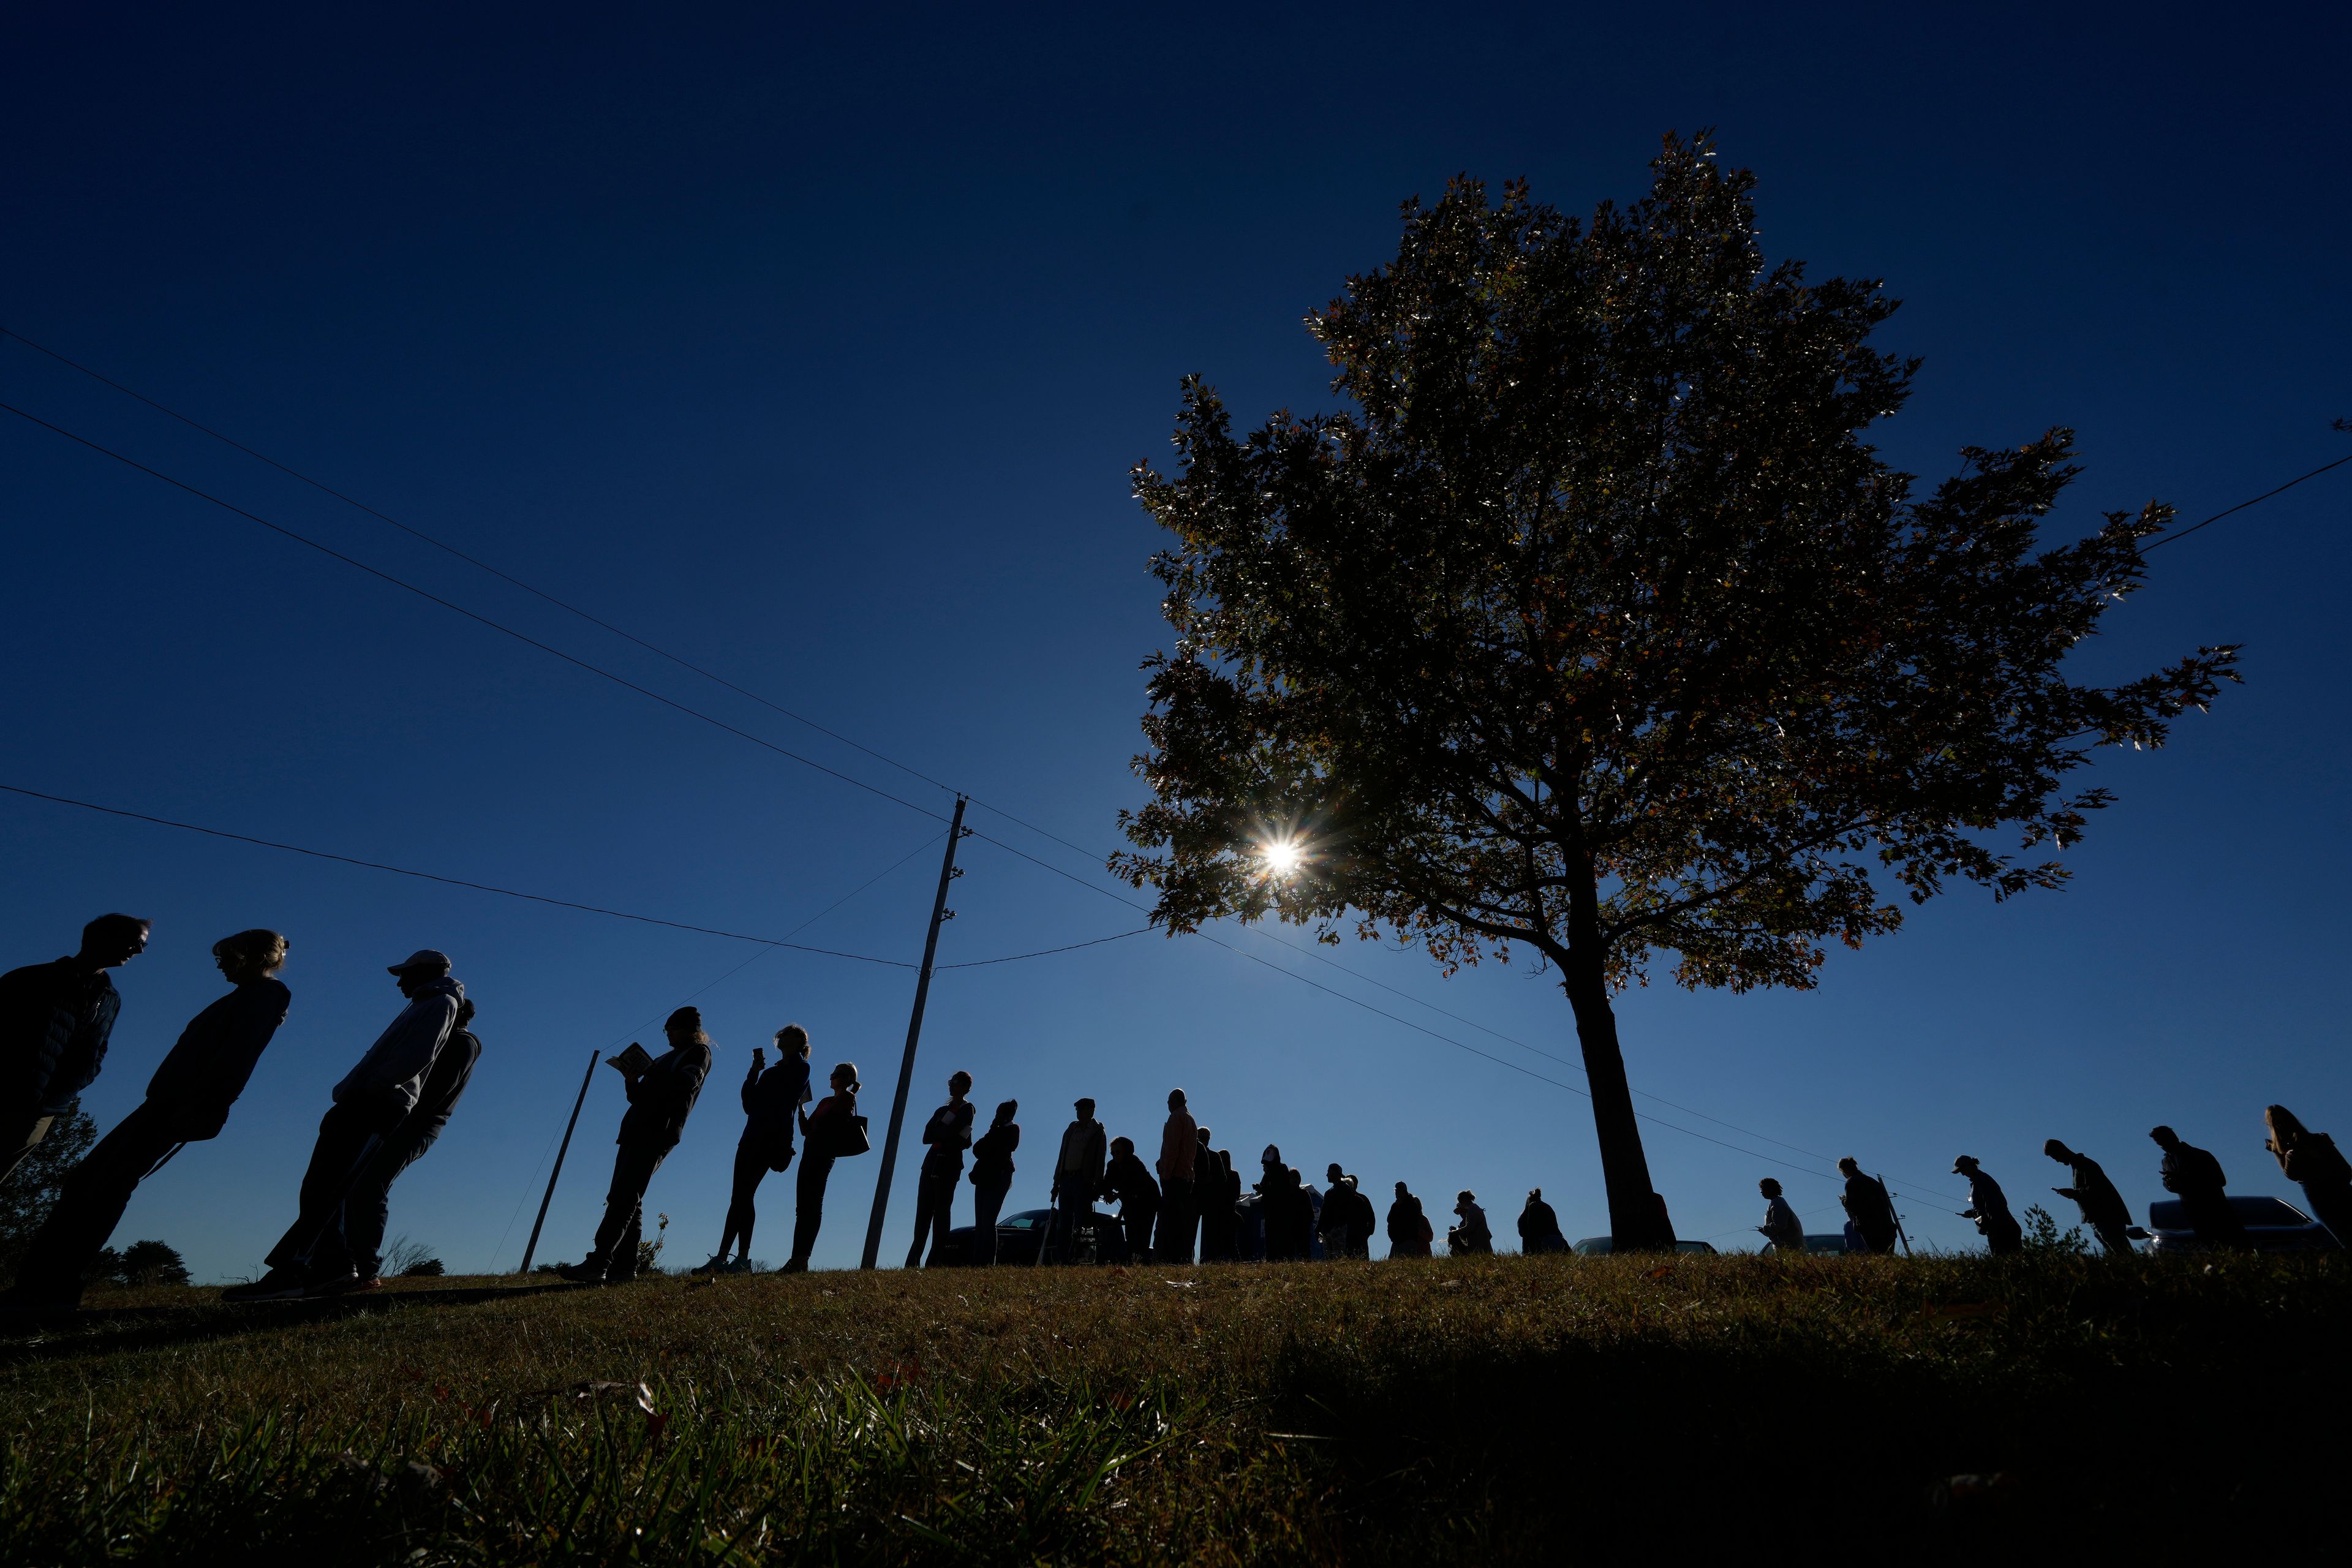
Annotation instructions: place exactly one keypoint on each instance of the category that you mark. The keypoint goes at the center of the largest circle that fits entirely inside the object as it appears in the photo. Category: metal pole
(1899, 1231)
(565, 1148)
(940, 911)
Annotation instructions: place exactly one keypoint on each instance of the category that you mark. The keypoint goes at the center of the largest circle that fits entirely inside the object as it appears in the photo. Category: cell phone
(759, 1055)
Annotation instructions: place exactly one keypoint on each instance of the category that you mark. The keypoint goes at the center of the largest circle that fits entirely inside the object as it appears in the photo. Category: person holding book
(833, 1129)
(662, 1091)
(771, 1097)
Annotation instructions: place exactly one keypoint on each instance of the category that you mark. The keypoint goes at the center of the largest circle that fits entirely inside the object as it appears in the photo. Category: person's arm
(750, 1090)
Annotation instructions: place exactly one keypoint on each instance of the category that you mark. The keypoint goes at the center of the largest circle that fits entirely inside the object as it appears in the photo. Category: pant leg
(346, 1135)
(91, 1203)
(808, 1204)
(356, 1243)
(618, 1233)
(942, 1210)
(1174, 1244)
(1139, 1235)
(931, 1208)
(2331, 1205)
(751, 1167)
(2111, 1238)
(987, 1202)
(20, 1134)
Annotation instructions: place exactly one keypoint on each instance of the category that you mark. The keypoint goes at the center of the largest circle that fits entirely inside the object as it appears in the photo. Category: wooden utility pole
(532, 1246)
(940, 911)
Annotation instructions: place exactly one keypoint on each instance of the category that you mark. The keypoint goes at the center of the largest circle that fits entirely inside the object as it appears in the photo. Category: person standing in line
(1366, 1224)
(2195, 1176)
(1127, 1179)
(1178, 1164)
(1989, 1206)
(1539, 1226)
(348, 1254)
(945, 1138)
(2103, 1207)
(1077, 1177)
(1781, 1226)
(1473, 1235)
(187, 1101)
(55, 1021)
(2311, 1161)
(372, 1098)
(1410, 1232)
(1214, 1190)
(661, 1097)
(991, 1178)
(827, 1133)
(1333, 1219)
(772, 1095)
(1279, 1201)
(1868, 1206)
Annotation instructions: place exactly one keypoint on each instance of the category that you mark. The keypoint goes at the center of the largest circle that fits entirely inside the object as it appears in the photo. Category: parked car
(2272, 1224)
(1020, 1235)
(1602, 1246)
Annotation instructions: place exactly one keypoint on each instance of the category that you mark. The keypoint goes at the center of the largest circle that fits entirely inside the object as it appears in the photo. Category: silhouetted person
(771, 1097)
(349, 1253)
(1213, 1191)
(1281, 1201)
(661, 1097)
(1471, 1235)
(1410, 1232)
(1539, 1227)
(187, 1101)
(945, 1138)
(1867, 1204)
(1989, 1206)
(55, 1021)
(1345, 1221)
(827, 1134)
(2103, 1207)
(1077, 1177)
(2194, 1177)
(1178, 1163)
(372, 1098)
(1781, 1226)
(1127, 1179)
(991, 1178)
(2311, 1161)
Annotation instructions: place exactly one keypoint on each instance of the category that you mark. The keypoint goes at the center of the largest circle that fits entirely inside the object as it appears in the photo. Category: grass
(1504, 1409)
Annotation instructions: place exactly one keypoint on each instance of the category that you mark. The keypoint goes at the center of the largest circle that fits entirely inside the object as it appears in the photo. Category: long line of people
(57, 1019)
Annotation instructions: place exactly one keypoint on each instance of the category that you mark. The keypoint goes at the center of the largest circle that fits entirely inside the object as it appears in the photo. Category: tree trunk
(1637, 1215)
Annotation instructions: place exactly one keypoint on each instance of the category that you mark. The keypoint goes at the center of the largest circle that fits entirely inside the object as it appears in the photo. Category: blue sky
(818, 353)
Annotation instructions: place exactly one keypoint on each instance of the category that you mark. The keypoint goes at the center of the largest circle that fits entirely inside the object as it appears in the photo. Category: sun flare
(1281, 857)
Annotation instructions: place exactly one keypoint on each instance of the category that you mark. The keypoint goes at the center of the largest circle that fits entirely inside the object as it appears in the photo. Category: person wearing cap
(1989, 1206)
(2195, 1177)
(661, 1097)
(372, 1098)
(1077, 1176)
(55, 1021)
(187, 1101)
(2103, 1207)
(348, 1254)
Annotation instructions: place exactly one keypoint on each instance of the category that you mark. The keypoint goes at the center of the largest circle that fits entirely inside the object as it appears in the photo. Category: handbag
(852, 1140)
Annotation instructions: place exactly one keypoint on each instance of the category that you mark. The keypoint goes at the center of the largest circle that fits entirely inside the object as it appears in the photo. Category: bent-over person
(1128, 1179)
(2103, 1207)
(2195, 1177)
(1868, 1206)
(1989, 1206)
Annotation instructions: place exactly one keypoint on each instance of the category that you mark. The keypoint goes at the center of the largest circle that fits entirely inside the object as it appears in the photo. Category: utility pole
(940, 911)
(532, 1246)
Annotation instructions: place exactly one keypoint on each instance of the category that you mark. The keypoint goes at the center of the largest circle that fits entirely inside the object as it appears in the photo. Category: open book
(631, 1063)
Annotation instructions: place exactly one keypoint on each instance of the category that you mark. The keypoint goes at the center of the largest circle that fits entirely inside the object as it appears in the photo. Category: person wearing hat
(1989, 1206)
(661, 1097)
(374, 1097)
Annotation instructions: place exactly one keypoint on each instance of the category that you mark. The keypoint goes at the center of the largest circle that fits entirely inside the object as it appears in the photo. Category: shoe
(741, 1266)
(581, 1273)
(277, 1284)
(333, 1285)
(718, 1265)
(793, 1265)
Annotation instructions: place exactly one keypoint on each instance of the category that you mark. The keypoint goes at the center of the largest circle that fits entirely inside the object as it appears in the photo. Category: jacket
(55, 1021)
(946, 1136)
(662, 1097)
(1125, 1179)
(452, 1070)
(1539, 1229)
(1872, 1215)
(2096, 1195)
(770, 1098)
(392, 1072)
(1180, 1146)
(202, 1076)
(1781, 1226)
(1078, 1172)
(1409, 1228)
(992, 1156)
(2193, 1173)
(828, 1124)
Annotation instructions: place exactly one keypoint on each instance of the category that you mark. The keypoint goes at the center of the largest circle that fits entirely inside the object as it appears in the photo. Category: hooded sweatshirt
(392, 1072)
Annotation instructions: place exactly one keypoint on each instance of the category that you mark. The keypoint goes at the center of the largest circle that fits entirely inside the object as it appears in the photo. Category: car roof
(2171, 1214)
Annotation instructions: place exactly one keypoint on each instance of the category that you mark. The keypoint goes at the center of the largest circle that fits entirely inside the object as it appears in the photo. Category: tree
(152, 1263)
(1596, 627)
(31, 1190)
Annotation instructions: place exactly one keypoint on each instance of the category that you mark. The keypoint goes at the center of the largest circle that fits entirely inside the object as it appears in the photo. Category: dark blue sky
(819, 352)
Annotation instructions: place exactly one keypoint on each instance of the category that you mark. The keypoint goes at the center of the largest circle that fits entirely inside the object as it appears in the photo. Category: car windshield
(2170, 1214)
(1027, 1219)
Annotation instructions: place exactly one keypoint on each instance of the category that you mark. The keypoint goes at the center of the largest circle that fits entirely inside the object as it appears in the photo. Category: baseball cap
(423, 958)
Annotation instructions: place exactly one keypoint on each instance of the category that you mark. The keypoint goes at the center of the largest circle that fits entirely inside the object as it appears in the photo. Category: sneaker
(581, 1273)
(718, 1265)
(277, 1284)
(348, 1285)
(793, 1265)
(741, 1266)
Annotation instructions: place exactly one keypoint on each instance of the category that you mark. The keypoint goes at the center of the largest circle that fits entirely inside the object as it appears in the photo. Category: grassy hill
(1500, 1409)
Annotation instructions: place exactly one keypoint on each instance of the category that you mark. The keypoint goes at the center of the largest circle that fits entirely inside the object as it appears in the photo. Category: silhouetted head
(1332, 1172)
(418, 969)
(1850, 1166)
(844, 1077)
(1769, 1188)
(791, 1040)
(2058, 1151)
(1535, 1195)
(1400, 1192)
(959, 1084)
(1006, 1110)
(685, 1027)
(2166, 1138)
(1273, 1156)
(249, 955)
(1175, 1100)
(1119, 1146)
(1085, 1109)
(1201, 1133)
(1348, 1182)
(1465, 1196)
(1964, 1165)
(112, 940)
(464, 1011)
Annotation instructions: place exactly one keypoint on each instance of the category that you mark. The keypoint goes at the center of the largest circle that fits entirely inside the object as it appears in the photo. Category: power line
(2225, 511)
